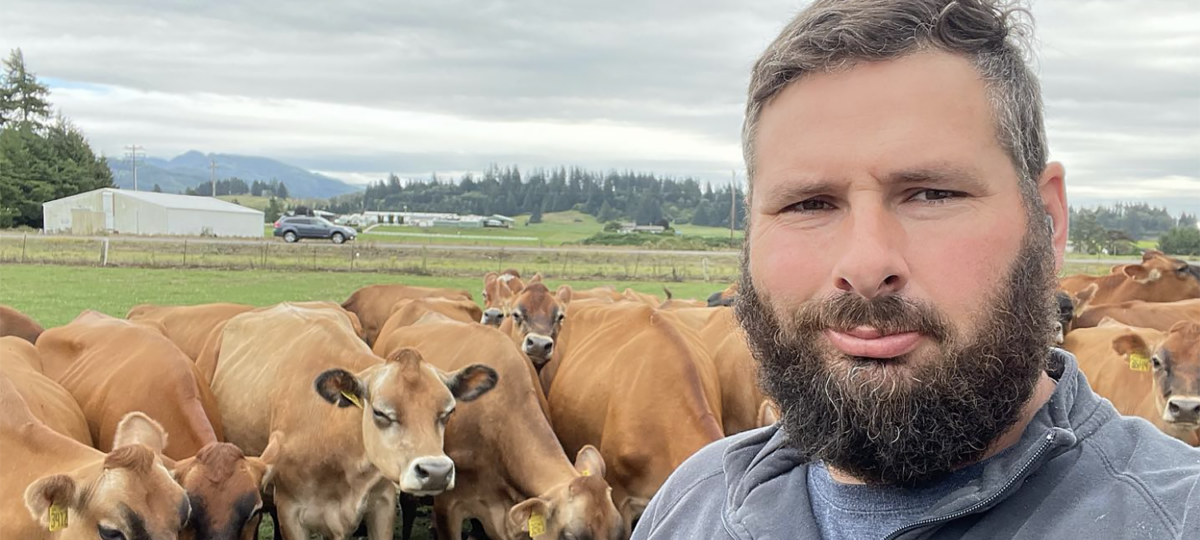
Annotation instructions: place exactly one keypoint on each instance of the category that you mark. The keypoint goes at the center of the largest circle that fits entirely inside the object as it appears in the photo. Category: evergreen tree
(157, 189)
(536, 216)
(281, 191)
(701, 217)
(607, 213)
(23, 99)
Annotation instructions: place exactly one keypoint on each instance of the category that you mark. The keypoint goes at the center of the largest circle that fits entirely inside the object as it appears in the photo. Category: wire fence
(431, 260)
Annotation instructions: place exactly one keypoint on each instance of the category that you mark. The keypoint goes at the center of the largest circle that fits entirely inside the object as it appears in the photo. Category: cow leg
(408, 513)
(447, 524)
(288, 523)
(381, 512)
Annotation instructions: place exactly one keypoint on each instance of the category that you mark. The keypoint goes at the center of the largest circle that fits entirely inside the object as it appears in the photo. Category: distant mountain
(191, 169)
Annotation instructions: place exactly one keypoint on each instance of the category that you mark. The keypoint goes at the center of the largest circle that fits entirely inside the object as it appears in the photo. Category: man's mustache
(846, 311)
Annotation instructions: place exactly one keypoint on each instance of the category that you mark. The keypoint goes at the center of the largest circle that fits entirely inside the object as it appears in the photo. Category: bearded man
(897, 291)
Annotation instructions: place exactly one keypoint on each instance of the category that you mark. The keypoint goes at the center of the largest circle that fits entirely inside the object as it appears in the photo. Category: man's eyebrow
(935, 176)
(799, 190)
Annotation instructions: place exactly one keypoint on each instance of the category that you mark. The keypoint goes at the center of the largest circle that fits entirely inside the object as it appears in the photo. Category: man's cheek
(784, 270)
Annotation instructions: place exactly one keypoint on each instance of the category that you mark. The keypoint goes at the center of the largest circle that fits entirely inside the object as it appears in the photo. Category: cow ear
(181, 469)
(489, 277)
(1150, 254)
(1130, 343)
(470, 382)
(263, 467)
(56, 490)
(589, 462)
(1139, 273)
(564, 294)
(341, 388)
(521, 515)
(537, 278)
(137, 428)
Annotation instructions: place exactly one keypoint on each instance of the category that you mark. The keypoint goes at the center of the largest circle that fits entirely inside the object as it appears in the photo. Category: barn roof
(183, 202)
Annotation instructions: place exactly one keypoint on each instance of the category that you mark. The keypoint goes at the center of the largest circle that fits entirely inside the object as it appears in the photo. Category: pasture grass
(54, 295)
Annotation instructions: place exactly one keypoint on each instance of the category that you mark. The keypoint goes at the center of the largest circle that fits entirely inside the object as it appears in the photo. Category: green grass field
(53, 295)
(556, 229)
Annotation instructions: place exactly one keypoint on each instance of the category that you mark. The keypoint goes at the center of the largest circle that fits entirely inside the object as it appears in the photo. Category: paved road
(390, 245)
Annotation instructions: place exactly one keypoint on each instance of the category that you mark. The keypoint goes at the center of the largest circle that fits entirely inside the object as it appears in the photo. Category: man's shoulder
(1163, 470)
(699, 488)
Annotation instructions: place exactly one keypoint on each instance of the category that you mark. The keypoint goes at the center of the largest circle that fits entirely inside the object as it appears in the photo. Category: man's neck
(1041, 394)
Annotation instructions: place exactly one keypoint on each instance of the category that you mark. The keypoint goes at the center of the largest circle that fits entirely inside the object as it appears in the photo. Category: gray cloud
(1121, 82)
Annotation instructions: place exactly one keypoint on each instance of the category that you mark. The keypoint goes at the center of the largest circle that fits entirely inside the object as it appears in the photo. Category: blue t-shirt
(861, 512)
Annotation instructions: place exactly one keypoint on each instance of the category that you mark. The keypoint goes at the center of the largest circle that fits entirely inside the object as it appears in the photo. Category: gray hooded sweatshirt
(1080, 470)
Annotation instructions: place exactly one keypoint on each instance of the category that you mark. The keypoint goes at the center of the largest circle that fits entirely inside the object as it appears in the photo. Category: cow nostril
(1173, 408)
(421, 473)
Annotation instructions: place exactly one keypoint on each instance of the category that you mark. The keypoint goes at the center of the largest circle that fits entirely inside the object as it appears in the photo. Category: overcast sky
(360, 88)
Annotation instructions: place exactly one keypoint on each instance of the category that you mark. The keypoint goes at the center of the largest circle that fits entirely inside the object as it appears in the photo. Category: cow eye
(516, 316)
(110, 534)
(446, 416)
(1156, 362)
(380, 417)
(561, 317)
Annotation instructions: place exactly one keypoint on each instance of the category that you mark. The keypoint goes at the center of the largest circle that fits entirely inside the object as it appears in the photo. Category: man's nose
(872, 264)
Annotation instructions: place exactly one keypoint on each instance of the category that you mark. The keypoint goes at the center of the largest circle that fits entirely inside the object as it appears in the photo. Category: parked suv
(293, 228)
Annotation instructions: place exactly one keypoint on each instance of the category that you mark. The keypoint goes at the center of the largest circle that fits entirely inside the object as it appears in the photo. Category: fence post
(351, 258)
(185, 252)
(24, 238)
(104, 254)
(314, 252)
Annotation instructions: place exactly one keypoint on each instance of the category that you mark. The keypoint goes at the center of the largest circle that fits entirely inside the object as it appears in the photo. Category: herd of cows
(545, 414)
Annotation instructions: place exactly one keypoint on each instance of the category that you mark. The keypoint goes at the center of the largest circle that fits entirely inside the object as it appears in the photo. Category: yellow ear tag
(586, 472)
(58, 518)
(537, 525)
(1139, 362)
(353, 399)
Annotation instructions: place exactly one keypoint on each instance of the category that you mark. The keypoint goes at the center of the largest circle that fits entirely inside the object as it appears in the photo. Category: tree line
(237, 186)
(43, 156)
(644, 198)
(1115, 230)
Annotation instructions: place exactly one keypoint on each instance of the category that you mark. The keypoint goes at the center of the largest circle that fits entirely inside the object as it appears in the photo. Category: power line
(131, 152)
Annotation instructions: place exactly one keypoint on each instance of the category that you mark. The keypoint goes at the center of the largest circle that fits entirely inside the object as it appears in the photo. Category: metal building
(122, 211)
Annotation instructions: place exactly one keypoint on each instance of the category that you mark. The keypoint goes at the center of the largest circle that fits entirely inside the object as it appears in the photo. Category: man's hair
(832, 35)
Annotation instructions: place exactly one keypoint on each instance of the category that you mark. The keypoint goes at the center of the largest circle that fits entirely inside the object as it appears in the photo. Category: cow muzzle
(492, 317)
(428, 476)
(1183, 410)
(539, 348)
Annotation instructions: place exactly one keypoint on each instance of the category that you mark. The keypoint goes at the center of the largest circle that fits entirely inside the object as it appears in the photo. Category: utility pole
(212, 166)
(132, 154)
(732, 201)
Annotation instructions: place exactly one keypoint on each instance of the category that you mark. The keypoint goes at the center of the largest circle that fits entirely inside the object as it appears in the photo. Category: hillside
(191, 169)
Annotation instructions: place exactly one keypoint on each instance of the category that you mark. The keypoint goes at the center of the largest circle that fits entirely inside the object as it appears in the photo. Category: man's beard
(910, 424)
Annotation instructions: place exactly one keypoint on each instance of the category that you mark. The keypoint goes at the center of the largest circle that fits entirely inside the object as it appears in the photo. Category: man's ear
(1052, 187)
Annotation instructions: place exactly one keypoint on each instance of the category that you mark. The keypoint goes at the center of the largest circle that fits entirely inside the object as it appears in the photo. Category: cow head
(1175, 366)
(224, 487)
(1172, 279)
(405, 403)
(498, 292)
(127, 496)
(1066, 313)
(534, 319)
(724, 297)
(581, 508)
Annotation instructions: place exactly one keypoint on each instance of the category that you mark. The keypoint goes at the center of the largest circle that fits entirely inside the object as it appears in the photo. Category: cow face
(498, 292)
(581, 508)
(224, 488)
(1172, 279)
(405, 403)
(534, 320)
(1175, 366)
(129, 496)
(723, 298)
(1066, 313)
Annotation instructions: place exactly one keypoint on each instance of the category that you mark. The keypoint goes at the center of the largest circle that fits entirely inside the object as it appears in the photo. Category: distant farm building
(121, 211)
(438, 219)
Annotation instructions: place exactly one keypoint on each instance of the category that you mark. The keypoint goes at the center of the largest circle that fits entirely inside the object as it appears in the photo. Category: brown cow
(510, 464)
(1145, 373)
(112, 367)
(603, 292)
(630, 295)
(741, 399)
(724, 298)
(498, 290)
(535, 316)
(408, 312)
(678, 303)
(127, 493)
(373, 303)
(353, 426)
(47, 400)
(15, 323)
(1158, 278)
(188, 326)
(639, 386)
(1157, 315)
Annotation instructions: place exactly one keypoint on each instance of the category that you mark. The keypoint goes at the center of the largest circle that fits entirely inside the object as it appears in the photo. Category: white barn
(143, 212)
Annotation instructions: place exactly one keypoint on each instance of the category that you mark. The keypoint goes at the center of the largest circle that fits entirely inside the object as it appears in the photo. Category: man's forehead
(902, 114)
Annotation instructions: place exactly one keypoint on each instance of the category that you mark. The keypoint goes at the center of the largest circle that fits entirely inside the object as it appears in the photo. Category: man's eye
(811, 205)
(929, 195)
